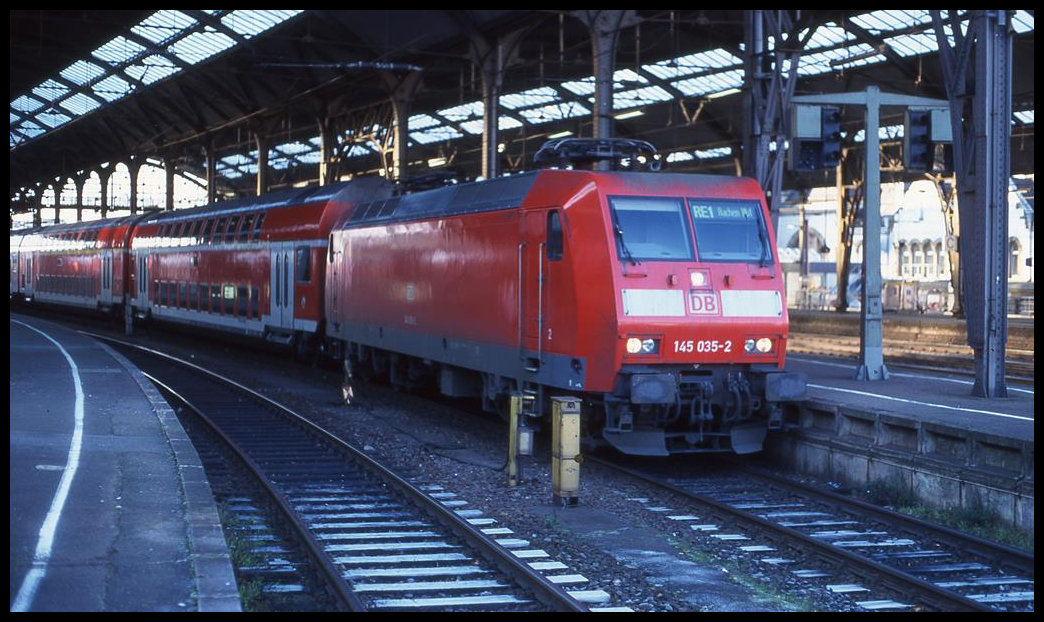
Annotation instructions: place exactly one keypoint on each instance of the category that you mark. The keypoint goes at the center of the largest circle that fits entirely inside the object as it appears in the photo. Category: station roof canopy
(89, 87)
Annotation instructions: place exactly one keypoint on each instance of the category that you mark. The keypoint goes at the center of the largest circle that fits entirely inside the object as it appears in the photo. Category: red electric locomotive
(658, 298)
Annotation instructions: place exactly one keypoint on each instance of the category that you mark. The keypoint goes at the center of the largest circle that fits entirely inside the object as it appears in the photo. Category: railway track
(943, 357)
(378, 542)
(880, 559)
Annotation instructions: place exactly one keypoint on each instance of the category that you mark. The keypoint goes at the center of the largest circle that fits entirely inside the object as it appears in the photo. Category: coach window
(230, 235)
(245, 228)
(555, 243)
(303, 265)
(163, 293)
(257, 226)
(242, 300)
(219, 230)
(215, 298)
(193, 297)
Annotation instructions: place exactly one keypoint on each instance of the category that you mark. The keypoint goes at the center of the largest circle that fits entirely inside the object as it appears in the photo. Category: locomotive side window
(302, 265)
(555, 242)
(730, 230)
(650, 228)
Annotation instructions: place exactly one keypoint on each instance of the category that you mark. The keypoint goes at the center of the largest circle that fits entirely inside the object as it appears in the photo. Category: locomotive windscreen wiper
(623, 244)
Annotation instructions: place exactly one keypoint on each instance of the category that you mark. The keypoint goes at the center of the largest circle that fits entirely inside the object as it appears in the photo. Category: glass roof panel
(51, 90)
(914, 44)
(1024, 116)
(199, 46)
(1022, 22)
(623, 78)
(712, 83)
(118, 51)
(503, 123)
(80, 104)
(81, 72)
(311, 157)
(434, 135)
(554, 112)
(640, 97)
(112, 88)
(422, 121)
(679, 156)
(249, 23)
(693, 63)
(827, 35)
(463, 112)
(295, 148)
(24, 103)
(708, 154)
(52, 118)
(532, 97)
(163, 26)
(887, 20)
(152, 69)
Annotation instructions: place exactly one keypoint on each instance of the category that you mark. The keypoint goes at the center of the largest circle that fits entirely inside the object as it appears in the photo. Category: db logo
(704, 303)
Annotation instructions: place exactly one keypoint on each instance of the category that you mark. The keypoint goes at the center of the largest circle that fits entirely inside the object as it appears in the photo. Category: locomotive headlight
(762, 345)
(643, 345)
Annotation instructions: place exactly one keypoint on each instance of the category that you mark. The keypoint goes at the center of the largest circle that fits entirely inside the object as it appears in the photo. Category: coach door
(282, 286)
(27, 276)
(106, 278)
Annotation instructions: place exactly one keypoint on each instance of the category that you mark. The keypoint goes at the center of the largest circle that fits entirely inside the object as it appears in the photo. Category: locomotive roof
(479, 196)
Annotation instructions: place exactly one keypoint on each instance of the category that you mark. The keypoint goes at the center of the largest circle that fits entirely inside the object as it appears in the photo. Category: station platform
(110, 507)
(919, 432)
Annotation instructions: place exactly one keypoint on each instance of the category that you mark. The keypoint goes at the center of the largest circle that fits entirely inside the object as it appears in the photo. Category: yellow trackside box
(565, 449)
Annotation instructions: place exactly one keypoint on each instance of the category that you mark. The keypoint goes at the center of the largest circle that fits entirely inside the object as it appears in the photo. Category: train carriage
(251, 267)
(78, 265)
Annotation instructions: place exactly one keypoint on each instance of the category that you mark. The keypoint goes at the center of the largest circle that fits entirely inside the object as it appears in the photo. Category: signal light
(816, 137)
(918, 152)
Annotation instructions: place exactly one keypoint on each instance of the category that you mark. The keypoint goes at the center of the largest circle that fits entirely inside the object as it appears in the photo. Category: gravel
(642, 559)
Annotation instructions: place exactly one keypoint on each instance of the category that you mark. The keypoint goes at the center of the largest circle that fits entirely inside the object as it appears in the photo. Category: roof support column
(605, 29)
(980, 119)
(328, 150)
(133, 168)
(262, 142)
(35, 206)
(169, 170)
(402, 91)
(768, 93)
(56, 186)
(78, 180)
(104, 173)
(210, 154)
(491, 59)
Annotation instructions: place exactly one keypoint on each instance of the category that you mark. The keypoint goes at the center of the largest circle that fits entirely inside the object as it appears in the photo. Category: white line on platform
(50, 525)
(903, 374)
(905, 401)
